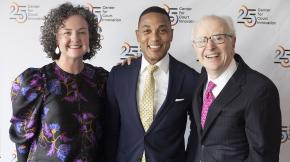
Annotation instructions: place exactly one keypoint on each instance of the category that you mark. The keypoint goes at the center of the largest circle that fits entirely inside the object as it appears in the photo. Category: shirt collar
(162, 64)
(226, 75)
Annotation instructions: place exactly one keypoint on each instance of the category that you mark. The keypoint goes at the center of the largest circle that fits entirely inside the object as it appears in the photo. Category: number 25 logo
(249, 18)
(19, 12)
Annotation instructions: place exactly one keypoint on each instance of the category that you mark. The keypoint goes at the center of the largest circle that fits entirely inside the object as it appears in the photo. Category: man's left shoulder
(182, 67)
(260, 81)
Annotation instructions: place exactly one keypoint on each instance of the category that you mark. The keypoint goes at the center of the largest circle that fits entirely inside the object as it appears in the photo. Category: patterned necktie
(146, 105)
(207, 100)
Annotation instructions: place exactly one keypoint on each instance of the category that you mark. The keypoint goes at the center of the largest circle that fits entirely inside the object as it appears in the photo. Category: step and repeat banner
(263, 40)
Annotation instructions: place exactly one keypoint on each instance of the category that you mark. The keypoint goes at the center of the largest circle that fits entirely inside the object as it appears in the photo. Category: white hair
(225, 19)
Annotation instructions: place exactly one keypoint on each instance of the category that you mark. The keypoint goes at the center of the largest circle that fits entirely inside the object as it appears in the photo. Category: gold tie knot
(151, 69)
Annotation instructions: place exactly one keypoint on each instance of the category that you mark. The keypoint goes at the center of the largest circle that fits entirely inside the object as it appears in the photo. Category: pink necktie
(207, 100)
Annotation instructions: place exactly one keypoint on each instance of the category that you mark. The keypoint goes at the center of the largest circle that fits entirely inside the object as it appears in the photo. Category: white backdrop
(262, 40)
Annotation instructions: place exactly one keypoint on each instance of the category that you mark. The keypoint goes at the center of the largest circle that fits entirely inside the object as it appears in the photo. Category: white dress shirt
(161, 76)
(222, 80)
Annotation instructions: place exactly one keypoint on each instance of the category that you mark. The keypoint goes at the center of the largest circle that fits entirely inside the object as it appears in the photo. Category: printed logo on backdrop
(179, 14)
(22, 13)
(129, 50)
(251, 17)
(285, 134)
(282, 56)
(104, 13)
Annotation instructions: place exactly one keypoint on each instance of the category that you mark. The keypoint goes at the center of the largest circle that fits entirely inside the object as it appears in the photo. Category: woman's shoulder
(34, 73)
(96, 71)
(29, 83)
(29, 74)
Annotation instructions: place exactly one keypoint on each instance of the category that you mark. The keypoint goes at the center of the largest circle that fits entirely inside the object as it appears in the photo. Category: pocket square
(179, 99)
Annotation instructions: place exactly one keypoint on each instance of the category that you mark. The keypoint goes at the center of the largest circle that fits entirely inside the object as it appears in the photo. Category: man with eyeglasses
(236, 109)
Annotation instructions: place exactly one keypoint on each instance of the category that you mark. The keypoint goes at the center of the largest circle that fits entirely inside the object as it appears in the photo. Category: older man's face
(214, 55)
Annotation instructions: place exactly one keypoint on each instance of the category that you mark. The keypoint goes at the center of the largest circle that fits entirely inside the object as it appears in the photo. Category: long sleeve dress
(57, 116)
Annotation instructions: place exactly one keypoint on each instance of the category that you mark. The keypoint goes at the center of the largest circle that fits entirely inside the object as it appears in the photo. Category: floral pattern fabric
(57, 116)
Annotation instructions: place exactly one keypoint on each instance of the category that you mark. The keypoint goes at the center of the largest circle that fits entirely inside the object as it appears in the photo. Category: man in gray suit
(238, 117)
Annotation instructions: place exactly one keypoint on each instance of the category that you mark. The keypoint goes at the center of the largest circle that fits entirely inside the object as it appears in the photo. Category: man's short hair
(154, 9)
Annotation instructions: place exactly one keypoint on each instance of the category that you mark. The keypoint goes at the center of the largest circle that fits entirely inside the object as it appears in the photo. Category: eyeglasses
(217, 39)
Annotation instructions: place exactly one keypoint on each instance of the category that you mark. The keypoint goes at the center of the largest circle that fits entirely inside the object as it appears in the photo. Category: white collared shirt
(222, 80)
(161, 82)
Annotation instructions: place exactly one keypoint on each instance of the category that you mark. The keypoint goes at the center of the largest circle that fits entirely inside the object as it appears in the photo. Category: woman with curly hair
(57, 109)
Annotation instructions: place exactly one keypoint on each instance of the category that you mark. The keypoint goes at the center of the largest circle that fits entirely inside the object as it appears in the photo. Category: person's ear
(193, 45)
(137, 35)
(171, 34)
(234, 42)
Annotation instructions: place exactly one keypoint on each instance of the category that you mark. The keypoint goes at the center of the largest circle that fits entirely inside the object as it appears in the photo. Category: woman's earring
(89, 50)
(56, 50)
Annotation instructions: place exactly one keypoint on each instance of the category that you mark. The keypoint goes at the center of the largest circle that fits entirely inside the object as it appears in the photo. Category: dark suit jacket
(243, 122)
(124, 132)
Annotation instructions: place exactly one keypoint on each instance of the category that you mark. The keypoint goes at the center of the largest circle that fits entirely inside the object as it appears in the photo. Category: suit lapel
(197, 101)
(231, 90)
(132, 82)
(176, 77)
(196, 105)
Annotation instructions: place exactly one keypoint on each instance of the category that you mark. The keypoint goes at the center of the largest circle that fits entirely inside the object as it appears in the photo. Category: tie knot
(151, 68)
(210, 86)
